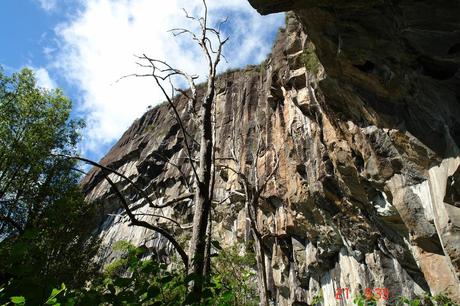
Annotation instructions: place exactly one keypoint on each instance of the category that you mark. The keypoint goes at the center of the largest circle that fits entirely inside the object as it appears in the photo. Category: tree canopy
(44, 221)
(34, 123)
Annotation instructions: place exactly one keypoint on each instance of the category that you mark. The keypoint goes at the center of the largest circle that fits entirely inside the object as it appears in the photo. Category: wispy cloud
(98, 45)
(43, 78)
(47, 5)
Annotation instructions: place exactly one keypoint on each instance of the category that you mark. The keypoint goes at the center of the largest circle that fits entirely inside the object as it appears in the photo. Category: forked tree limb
(188, 226)
(135, 207)
(12, 222)
(135, 221)
(170, 102)
(130, 181)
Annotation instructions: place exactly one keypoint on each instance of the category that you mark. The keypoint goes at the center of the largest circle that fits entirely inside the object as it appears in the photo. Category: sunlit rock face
(367, 190)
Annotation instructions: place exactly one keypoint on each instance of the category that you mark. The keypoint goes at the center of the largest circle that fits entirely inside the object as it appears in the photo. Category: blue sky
(28, 32)
(85, 46)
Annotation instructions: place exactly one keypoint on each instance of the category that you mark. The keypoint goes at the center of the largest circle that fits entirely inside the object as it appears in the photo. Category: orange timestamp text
(369, 293)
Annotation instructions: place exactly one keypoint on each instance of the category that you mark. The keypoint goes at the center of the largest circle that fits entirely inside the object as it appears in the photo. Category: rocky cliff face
(367, 191)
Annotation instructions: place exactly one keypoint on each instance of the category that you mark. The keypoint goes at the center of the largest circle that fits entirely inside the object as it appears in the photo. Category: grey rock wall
(357, 200)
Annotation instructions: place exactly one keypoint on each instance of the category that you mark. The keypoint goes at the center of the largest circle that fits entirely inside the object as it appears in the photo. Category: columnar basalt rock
(366, 193)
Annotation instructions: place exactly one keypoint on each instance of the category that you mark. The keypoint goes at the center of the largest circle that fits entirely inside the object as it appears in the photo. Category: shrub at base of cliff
(234, 269)
(52, 252)
(427, 300)
(134, 280)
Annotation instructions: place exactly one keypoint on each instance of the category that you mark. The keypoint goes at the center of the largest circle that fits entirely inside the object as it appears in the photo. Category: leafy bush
(132, 280)
(438, 300)
(362, 300)
(50, 253)
(318, 298)
(233, 268)
(310, 59)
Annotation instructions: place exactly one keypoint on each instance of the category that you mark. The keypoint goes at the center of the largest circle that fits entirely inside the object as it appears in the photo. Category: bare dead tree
(253, 187)
(128, 210)
(211, 43)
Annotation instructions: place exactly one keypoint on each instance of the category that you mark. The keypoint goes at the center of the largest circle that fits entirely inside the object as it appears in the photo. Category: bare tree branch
(167, 160)
(189, 226)
(130, 181)
(204, 172)
(11, 222)
(157, 229)
(171, 104)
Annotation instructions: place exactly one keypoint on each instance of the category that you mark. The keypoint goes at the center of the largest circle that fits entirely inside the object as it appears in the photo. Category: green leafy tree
(44, 220)
(34, 123)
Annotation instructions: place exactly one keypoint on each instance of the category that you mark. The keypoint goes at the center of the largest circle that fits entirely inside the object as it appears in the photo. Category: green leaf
(55, 292)
(415, 302)
(18, 300)
(227, 297)
(51, 301)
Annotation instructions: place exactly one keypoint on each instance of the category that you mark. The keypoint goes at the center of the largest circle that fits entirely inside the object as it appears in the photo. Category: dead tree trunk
(253, 190)
(202, 193)
(211, 44)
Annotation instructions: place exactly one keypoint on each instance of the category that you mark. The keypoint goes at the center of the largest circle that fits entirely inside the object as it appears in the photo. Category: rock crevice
(366, 130)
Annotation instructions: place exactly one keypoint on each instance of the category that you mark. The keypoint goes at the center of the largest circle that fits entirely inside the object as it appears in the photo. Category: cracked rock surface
(367, 190)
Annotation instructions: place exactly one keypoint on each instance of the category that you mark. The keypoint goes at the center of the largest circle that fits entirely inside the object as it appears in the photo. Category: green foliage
(54, 251)
(262, 68)
(444, 300)
(231, 70)
(405, 301)
(138, 281)
(52, 299)
(318, 298)
(116, 267)
(18, 300)
(362, 300)
(235, 271)
(310, 59)
(439, 300)
(44, 221)
(34, 122)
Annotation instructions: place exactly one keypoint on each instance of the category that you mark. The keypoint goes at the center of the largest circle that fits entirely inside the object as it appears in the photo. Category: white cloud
(43, 78)
(47, 5)
(98, 46)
